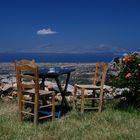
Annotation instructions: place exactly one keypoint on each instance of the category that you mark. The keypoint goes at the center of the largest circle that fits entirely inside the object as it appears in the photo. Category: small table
(45, 73)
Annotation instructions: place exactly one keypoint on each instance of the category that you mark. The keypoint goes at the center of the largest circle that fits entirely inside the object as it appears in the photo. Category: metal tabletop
(46, 73)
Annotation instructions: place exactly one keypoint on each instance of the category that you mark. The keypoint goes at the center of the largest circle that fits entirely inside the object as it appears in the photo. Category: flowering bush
(125, 73)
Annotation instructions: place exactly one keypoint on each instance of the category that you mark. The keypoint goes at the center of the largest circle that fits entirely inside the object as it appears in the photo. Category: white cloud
(45, 32)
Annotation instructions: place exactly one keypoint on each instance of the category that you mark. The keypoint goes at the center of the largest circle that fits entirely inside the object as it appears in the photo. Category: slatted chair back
(22, 66)
(25, 83)
(98, 73)
(28, 84)
(104, 71)
(97, 89)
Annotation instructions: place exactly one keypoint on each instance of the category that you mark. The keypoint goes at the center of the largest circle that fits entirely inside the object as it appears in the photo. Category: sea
(60, 57)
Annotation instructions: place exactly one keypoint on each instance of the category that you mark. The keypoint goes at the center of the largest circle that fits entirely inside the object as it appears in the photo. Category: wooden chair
(97, 91)
(29, 94)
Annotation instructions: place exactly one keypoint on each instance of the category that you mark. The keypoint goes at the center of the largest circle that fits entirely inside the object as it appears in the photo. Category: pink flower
(117, 78)
(139, 64)
(128, 75)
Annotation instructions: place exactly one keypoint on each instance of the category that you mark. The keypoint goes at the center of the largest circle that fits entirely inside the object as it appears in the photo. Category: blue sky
(69, 26)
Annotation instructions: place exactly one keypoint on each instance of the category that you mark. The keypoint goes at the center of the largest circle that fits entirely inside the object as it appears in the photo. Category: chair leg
(36, 109)
(53, 106)
(93, 100)
(100, 103)
(100, 107)
(20, 113)
(74, 96)
(20, 107)
(82, 100)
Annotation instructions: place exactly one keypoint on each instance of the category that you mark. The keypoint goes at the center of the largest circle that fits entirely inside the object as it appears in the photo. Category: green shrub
(127, 75)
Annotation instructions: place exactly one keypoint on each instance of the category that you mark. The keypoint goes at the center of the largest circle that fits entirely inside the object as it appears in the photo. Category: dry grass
(111, 124)
(8, 106)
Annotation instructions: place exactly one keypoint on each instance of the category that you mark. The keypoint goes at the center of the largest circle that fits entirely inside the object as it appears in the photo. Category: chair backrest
(102, 76)
(27, 76)
(24, 62)
(100, 73)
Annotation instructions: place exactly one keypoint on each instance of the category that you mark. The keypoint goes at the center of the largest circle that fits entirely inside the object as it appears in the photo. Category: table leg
(67, 81)
(64, 103)
(42, 85)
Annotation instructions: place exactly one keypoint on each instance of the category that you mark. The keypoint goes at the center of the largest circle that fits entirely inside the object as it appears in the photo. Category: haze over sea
(59, 57)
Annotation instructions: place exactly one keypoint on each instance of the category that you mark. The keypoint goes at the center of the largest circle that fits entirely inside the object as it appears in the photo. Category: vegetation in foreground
(111, 124)
(125, 74)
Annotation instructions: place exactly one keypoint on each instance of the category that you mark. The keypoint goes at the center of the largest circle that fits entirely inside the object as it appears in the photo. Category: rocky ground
(82, 74)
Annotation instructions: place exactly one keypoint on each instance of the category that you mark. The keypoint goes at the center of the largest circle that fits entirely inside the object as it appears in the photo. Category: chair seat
(41, 92)
(44, 92)
(89, 87)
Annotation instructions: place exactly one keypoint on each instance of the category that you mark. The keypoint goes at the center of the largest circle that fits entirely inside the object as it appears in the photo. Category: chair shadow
(124, 106)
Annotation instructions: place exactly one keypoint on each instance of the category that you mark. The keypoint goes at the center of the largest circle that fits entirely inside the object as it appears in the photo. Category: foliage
(126, 74)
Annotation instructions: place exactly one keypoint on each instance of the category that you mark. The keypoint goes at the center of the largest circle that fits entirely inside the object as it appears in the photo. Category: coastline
(7, 69)
(59, 57)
